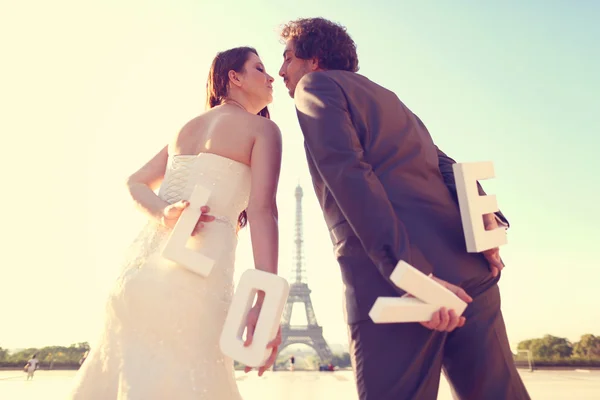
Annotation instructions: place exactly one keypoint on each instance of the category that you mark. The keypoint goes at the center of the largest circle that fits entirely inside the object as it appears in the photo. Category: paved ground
(299, 385)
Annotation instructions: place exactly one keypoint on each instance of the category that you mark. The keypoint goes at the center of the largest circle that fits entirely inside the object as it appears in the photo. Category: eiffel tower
(310, 334)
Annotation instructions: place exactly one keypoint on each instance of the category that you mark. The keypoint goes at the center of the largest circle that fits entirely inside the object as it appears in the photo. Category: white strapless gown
(163, 322)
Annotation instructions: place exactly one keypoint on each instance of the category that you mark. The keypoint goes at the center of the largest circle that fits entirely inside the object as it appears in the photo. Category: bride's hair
(218, 76)
(218, 82)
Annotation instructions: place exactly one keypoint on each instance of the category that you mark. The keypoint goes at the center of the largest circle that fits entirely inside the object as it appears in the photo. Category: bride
(163, 322)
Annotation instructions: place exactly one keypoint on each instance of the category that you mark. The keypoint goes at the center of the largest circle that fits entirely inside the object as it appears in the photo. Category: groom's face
(293, 68)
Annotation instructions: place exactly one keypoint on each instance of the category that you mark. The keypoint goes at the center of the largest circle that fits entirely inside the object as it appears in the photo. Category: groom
(388, 194)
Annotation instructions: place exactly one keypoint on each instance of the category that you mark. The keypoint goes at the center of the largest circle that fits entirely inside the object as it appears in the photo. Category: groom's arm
(338, 157)
(445, 166)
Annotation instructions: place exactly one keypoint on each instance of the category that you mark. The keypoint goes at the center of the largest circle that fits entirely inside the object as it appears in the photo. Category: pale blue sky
(90, 91)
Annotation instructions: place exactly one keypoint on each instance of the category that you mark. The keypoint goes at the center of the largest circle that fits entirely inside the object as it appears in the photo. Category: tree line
(556, 351)
(545, 351)
(57, 357)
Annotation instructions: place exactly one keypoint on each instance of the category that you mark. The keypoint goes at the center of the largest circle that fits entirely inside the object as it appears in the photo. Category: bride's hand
(172, 212)
(251, 321)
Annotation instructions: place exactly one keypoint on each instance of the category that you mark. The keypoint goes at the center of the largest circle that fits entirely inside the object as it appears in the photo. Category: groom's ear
(313, 64)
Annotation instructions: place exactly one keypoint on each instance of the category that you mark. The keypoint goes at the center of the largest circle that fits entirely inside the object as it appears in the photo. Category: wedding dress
(162, 322)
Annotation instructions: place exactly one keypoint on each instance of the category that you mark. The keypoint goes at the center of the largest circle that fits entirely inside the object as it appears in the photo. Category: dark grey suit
(387, 194)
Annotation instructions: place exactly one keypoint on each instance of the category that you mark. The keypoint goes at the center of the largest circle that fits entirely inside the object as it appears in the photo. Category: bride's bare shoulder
(265, 126)
(186, 135)
(194, 123)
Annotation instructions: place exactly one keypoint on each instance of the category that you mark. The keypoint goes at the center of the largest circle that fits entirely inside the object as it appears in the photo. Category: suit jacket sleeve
(337, 153)
(445, 166)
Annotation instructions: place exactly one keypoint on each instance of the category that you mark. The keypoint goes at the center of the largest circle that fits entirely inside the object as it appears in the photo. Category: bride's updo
(217, 87)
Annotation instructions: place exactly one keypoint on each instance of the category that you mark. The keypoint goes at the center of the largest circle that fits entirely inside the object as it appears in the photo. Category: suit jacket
(387, 192)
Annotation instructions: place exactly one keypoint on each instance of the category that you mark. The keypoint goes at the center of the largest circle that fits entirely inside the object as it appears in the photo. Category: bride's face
(256, 82)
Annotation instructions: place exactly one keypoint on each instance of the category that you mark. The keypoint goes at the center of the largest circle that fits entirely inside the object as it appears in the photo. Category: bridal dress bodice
(228, 180)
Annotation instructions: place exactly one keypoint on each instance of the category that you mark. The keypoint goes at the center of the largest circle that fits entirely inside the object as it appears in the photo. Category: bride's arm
(262, 214)
(143, 182)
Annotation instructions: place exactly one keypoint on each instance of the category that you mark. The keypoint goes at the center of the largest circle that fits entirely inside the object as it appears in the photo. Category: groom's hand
(274, 344)
(445, 320)
(492, 255)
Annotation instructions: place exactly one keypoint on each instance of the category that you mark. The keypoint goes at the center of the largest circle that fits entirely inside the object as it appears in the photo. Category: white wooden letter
(473, 206)
(176, 249)
(276, 291)
(387, 310)
(429, 297)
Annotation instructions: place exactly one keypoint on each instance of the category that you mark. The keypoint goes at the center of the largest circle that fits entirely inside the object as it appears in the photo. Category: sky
(91, 90)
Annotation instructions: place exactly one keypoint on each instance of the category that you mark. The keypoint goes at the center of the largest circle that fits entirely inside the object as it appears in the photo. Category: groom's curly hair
(324, 40)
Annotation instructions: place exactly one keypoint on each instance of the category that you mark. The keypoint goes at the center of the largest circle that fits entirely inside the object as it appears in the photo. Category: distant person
(163, 322)
(292, 361)
(31, 366)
